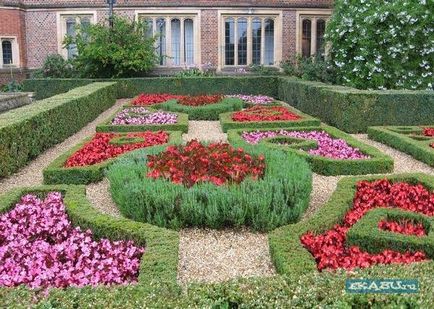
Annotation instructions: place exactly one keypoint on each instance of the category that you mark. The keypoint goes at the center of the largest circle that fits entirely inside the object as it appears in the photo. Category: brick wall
(209, 37)
(12, 23)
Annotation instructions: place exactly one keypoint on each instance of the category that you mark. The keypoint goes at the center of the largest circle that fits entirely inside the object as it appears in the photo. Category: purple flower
(143, 116)
(253, 99)
(327, 146)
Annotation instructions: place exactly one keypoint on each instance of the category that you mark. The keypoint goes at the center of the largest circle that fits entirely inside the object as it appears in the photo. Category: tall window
(70, 25)
(7, 52)
(312, 35)
(249, 40)
(175, 38)
(307, 37)
(320, 30)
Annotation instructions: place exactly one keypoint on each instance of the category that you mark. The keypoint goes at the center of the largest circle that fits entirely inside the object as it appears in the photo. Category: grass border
(55, 173)
(378, 162)
(420, 150)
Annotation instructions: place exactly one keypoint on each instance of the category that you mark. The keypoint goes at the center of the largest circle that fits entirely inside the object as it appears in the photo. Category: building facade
(223, 34)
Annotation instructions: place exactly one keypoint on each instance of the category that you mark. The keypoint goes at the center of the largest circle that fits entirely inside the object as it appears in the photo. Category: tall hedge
(27, 131)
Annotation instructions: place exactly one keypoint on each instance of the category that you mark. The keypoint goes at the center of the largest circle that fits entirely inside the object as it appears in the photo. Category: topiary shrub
(383, 44)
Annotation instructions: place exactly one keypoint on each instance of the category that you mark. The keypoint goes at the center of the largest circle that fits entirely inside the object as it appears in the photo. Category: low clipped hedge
(377, 163)
(204, 112)
(160, 260)
(45, 88)
(56, 173)
(366, 234)
(287, 252)
(180, 125)
(353, 110)
(305, 121)
(280, 197)
(27, 131)
(401, 139)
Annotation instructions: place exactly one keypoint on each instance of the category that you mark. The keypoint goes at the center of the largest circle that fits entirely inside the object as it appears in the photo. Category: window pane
(256, 41)
(70, 31)
(7, 52)
(149, 24)
(188, 41)
(161, 47)
(269, 42)
(176, 41)
(229, 42)
(84, 26)
(306, 37)
(320, 30)
(242, 41)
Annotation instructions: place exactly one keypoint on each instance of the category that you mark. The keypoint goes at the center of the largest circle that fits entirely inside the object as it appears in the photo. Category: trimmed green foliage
(45, 88)
(181, 125)
(377, 163)
(353, 110)
(366, 234)
(228, 124)
(289, 255)
(280, 197)
(27, 131)
(406, 140)
(56, 173)
(204, 112)
(160, 260)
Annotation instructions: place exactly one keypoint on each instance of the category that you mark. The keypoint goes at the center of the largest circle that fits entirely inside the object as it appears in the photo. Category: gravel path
(100, 197)
(31, 175)
(205, 131)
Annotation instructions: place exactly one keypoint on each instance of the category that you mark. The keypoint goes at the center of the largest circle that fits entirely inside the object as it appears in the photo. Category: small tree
(121, 51)
(383, 44)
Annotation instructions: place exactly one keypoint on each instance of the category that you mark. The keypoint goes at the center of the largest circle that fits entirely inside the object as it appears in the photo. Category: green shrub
(416, 146)
(313, 69)
(377, 163)
(56, 173)
(45, 88)
(383, 44)
(55, 66)
(228, 124)
(27, 131)
(280, 197)
(204, 112)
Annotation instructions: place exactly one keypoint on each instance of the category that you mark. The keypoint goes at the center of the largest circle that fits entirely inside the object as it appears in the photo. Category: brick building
(224, 34)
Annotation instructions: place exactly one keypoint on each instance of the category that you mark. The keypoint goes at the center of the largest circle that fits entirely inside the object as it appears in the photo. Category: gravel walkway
(205, 131)
(100, 198)
(31, 175)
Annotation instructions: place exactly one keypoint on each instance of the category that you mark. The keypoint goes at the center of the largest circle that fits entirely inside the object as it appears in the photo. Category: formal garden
(198, 190)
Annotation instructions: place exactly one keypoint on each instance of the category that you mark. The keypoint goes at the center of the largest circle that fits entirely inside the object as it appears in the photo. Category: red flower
(405, 227)
(329, 248)
(100, 149)
(157, 98)
(428, 132)
(217, 163)
(264, 113)
(200, 100)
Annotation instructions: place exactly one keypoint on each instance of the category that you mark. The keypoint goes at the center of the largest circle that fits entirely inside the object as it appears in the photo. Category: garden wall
(355, 110)
(27, 131)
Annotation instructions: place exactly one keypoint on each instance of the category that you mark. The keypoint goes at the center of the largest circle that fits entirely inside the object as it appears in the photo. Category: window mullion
(182, 43)
(262, 40)
(313, 37)
(168, 38)
(235, 41)
(249, 41)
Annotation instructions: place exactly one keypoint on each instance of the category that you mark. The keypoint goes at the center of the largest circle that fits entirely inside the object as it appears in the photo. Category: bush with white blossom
(383, 44)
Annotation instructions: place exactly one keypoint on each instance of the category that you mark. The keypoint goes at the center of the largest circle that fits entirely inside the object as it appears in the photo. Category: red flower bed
(200, 100)
(100, 149)
(264, 113)
(329, 248)
(155, 98)
(405, 227)
(217, 163)
(428, 132)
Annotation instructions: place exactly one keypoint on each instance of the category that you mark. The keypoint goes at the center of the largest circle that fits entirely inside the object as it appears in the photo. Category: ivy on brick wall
(386, 44)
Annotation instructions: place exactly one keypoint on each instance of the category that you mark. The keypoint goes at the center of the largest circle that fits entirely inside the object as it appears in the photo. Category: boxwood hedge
(408, 139)
(56, 173)
(280, 197)
(27, 131)
(376, 164)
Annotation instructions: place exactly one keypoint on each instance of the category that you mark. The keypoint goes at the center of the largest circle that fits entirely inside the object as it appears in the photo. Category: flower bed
(412, 140)
(217, 163)
(102, 147)
(146, 99)
(86, 163)
(141, 116)
(39, 247)
(266, 117)
(405, 227)
(327, 150)
(428, 132)
(213, 186)
(254, 99)
(329, 248)
(200, 100)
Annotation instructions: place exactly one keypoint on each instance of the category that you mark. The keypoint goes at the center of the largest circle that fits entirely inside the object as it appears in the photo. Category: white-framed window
(311, 35)
(68, 24)
(248, 39)
(9, 52)
(177, 36)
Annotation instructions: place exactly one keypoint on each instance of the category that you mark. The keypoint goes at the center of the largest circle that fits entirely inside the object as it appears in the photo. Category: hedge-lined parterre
(408, 139)
(58, 173)
(339, 154)
(279, 197)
